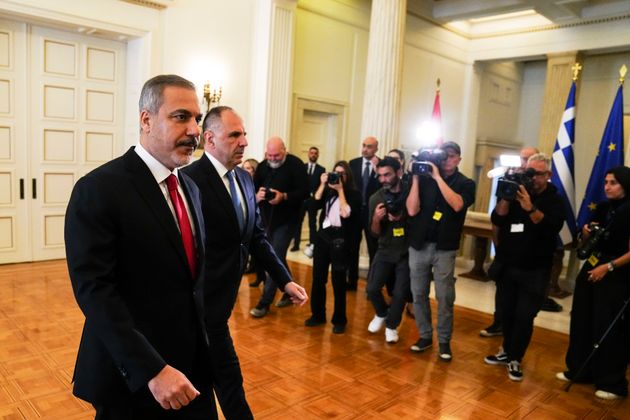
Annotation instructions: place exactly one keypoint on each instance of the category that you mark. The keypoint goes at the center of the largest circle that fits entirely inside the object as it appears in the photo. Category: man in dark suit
(366, 179)
(233, 230)
(313, 171)
(135, 249)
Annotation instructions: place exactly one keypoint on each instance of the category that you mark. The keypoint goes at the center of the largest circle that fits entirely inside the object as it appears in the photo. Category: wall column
(557, 86)
(384, 73)
(272, 67)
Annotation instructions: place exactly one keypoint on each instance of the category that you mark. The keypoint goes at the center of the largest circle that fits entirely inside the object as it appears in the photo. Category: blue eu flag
(610, 155)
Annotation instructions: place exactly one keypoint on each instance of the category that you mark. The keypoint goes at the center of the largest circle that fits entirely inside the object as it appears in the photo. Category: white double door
(61, 115)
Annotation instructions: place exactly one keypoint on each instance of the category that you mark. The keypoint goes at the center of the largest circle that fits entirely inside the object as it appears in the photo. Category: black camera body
(598, 234)
(508, 184)
(394, 203)
(333, 178)
(419, 166)
(269, 195)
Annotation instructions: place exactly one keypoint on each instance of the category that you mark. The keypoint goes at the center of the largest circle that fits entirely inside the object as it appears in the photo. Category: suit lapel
(195, 209)
(249, 195)
(141, 178)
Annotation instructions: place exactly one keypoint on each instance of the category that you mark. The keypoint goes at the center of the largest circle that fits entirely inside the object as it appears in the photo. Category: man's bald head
(369, 147)
(525, 154)
(275, 152)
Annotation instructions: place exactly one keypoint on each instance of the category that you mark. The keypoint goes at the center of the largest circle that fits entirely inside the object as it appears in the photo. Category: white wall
(532, 95)
(210, 41)
(330, 58)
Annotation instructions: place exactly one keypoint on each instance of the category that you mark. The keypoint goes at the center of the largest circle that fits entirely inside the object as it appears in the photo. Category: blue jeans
(280, 238)
(383, 269)
(421, 262)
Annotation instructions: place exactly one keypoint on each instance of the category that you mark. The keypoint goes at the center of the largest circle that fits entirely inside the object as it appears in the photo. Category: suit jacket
(131, 279)
(356, 166)
(227, 249)
(313, 179)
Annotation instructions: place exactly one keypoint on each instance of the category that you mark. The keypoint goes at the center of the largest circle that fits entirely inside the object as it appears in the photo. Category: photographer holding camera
(340, 202)
(388, 217)
(437, 203)
(601, 289)
(528, 226)
(282, 186)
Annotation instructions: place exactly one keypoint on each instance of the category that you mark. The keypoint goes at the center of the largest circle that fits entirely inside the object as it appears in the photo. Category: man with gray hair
(134, 237)
(528, 226)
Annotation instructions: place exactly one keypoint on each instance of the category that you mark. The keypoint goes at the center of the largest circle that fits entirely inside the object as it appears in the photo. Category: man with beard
(388, 217)
(366, 180)
(313, 171)
(282, 187)
(134, 237)
(233, 229)
(528, 227)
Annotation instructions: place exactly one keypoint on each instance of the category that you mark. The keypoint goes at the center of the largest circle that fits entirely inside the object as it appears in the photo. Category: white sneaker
(605, 395)
(308, 251)
(391, 335)
(376, 324)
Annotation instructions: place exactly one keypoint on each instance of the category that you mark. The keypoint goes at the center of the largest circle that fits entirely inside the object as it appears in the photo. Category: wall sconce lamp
(211, 96)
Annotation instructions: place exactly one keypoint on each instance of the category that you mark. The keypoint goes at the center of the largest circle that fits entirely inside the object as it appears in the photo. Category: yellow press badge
(437, 215)
(593, 260)
(398, 232)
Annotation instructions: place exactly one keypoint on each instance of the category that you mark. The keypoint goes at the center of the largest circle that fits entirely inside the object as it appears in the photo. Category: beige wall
(329, 62)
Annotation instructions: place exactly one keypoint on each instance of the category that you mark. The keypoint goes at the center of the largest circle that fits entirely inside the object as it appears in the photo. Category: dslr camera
(394, 203)
(269, 195)
(508, 184)
(598, 234)
(333, 178)
(420, 165)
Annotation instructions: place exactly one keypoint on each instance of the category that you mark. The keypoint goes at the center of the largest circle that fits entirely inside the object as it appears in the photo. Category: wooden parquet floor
(295, 372)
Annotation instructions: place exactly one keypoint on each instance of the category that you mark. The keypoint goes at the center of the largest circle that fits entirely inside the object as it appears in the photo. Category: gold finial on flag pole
(576, 70)
(438, 84)
(622, 73)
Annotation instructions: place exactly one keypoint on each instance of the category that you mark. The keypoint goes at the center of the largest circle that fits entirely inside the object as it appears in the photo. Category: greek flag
(562, 167)
(610, 155)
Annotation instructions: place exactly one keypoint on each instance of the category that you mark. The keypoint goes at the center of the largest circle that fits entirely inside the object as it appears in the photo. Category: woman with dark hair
(601, 288)
(341, 204)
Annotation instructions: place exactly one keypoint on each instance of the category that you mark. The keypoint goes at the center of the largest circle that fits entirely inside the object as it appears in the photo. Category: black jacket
(534, 246)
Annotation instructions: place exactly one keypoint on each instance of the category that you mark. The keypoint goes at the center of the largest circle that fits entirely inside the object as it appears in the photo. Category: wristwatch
(611, 266)
(534, 208)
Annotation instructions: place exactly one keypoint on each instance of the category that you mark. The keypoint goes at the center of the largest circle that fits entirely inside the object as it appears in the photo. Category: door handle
(34, 188)
(21, 188)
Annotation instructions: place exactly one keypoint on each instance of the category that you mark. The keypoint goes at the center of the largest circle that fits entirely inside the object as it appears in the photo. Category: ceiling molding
(153, 4)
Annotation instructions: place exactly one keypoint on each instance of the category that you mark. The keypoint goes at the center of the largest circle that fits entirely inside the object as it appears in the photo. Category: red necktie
(184, 223)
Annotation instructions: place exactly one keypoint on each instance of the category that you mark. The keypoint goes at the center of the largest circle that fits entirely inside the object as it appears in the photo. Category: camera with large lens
(394, 203)
(589, 246)
(508, 184)
(420, 165)
(269, 195)
(333, 178)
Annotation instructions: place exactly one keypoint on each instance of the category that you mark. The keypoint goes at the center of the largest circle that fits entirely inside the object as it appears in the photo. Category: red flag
(436, 116)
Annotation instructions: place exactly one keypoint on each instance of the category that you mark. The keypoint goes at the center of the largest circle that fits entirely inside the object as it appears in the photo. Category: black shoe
(313, 322)
(550, 305)
(514, 371)
(339, 329)
(284, 301)
(501, 358)
(446, 355)
(259, 311)
(422, 345)
(492, 331)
